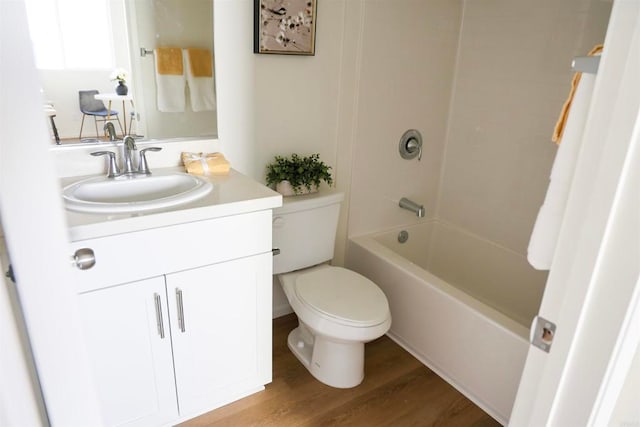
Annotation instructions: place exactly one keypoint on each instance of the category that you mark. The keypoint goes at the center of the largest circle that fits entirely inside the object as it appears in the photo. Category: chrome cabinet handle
(180, 309)
(159, 321)
(84, 258)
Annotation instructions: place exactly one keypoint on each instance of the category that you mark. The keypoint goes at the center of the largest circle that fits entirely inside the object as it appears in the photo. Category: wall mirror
(79, 44)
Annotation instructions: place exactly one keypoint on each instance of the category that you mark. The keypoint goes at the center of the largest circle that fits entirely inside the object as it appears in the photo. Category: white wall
(306, 104)
(235, 72)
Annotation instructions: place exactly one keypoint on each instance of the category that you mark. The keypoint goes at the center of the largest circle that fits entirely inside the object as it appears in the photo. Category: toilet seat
(346, 297)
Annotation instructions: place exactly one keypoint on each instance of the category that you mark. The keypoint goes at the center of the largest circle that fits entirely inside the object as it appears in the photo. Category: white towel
(544, 238)
(170, 89)
(201, 89)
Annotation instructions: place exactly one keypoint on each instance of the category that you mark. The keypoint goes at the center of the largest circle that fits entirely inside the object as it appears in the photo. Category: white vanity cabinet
(132, 362)
(178, 318)
(215, 340)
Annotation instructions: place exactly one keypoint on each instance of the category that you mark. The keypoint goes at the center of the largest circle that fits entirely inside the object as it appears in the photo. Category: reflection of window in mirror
(78, 44)
(71, 34)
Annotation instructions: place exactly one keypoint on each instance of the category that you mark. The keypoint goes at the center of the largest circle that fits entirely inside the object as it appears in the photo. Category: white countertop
(231, 195)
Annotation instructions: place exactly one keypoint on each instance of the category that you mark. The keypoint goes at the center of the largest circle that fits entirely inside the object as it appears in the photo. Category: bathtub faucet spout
(412, 206)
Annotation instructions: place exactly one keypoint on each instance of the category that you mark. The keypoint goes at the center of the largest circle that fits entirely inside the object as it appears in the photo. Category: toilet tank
(304, 229)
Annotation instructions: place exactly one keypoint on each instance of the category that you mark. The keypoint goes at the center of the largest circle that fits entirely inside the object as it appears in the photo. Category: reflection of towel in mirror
(170, 79)
(199, 68)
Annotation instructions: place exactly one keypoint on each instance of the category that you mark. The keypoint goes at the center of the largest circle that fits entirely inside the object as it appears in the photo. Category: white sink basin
(134, 193)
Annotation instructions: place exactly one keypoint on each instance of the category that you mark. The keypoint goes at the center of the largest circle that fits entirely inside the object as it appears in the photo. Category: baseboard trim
(281, 310)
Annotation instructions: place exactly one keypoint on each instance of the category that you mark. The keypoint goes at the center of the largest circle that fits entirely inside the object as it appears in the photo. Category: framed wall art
(286, 27)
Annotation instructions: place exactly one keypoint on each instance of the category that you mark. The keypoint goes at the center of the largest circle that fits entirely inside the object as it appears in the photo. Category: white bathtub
(460, 304)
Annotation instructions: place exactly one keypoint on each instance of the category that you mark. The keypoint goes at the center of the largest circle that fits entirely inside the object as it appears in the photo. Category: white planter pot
(286, 189)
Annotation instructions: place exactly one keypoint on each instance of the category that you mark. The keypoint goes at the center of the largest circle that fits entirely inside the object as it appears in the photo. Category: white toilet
(338, 310)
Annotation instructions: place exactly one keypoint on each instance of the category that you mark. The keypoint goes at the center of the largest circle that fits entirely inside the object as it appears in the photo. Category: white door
(593, 286)
(214, 327)
(129, 344)
(35, 230)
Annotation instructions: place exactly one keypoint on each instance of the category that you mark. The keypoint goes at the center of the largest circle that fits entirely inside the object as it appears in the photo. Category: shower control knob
(410, 145)
(84, 258)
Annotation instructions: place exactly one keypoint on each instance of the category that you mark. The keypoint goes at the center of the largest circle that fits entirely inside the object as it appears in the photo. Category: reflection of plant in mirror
(119, 74)
(301, 172)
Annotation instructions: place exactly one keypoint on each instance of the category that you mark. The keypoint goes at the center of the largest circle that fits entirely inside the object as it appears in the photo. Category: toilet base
(336, 363)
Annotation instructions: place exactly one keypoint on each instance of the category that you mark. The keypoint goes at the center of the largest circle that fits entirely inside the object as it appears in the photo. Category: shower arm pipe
(412, 206)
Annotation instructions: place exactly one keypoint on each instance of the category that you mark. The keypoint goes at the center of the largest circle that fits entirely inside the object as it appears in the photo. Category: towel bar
(144, 52)
(586, 64)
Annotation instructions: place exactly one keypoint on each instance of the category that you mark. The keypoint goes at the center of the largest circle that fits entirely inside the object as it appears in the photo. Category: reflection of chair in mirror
(89, 106)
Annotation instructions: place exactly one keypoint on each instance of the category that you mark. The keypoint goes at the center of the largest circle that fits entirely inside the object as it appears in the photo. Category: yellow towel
(201, 62)
(169, 61)
(564, 112)
(205, 163)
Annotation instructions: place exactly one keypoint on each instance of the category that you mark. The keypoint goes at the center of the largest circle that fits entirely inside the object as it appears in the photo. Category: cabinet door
(132, 362)
(221, 331)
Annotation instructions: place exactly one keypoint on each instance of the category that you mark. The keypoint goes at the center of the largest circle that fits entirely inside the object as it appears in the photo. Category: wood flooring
(397, 390)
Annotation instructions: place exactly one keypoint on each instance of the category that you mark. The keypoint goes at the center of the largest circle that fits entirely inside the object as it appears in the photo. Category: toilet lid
(343, 295)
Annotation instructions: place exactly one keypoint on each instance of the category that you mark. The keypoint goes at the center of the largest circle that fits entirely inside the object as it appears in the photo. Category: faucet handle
(143, 166)
(113, 170)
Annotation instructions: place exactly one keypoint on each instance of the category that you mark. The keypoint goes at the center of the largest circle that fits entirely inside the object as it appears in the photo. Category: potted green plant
(296, 175)
(120, 75)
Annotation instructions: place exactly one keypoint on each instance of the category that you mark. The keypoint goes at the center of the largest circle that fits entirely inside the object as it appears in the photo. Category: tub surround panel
(405, 82)
(513, 75)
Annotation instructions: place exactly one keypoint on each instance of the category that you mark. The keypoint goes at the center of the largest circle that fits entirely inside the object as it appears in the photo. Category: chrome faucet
(128, 146)
(412, 206)
(111, 131)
